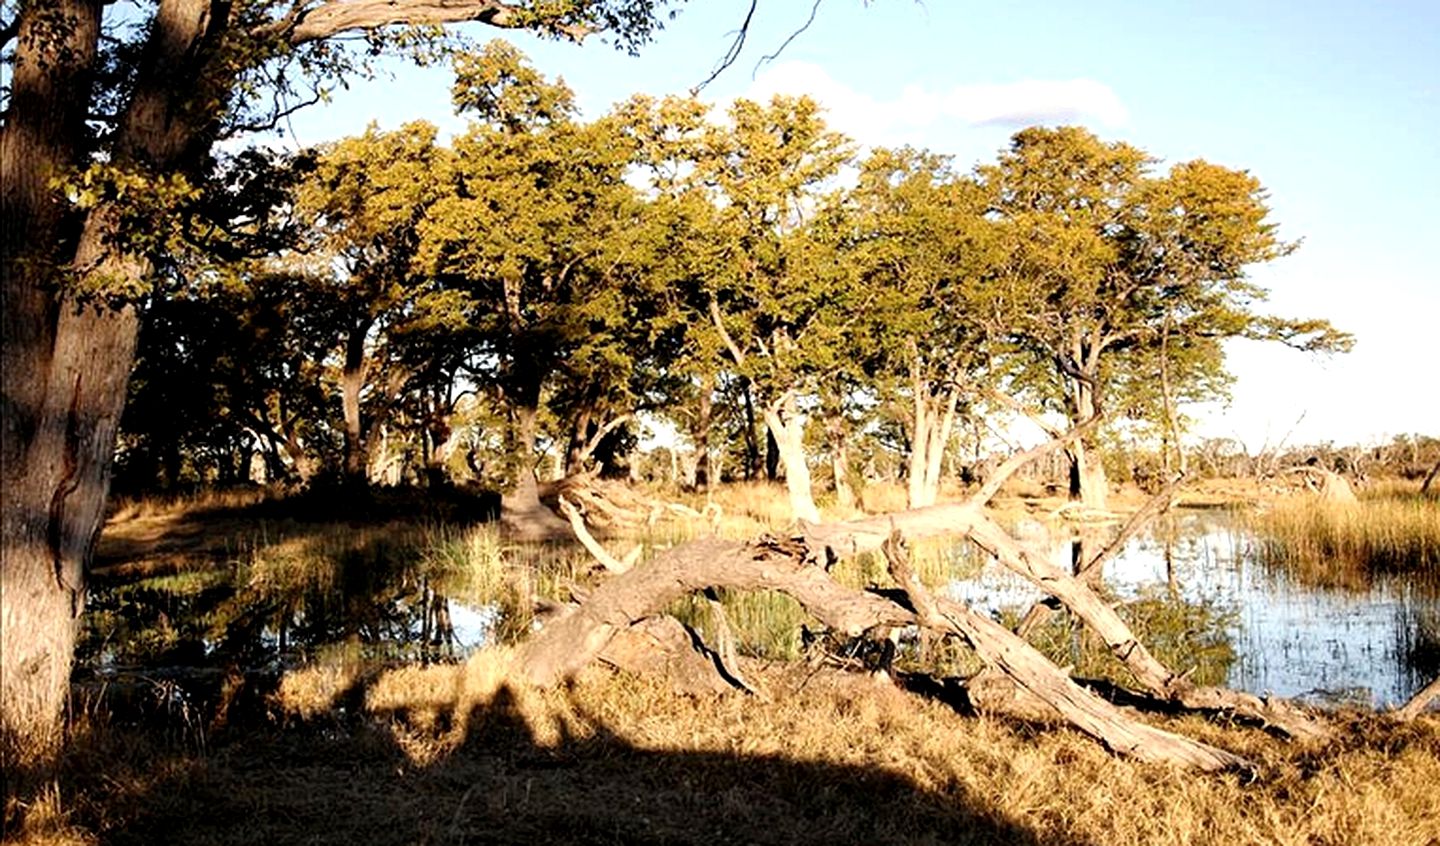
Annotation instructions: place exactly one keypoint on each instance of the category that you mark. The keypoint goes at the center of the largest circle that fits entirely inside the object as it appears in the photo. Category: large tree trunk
(58, 453)
(576, 453)
(933, 418)
(66, 362)
(752, 445)
(521, 511)
(787, 428)
(352, 382)
(700, 434)
(840, 459)
(1088, 484)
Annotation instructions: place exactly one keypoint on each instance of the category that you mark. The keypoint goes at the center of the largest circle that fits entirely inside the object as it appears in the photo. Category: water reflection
(371, 598)
(1193, 589)
(1373, 641)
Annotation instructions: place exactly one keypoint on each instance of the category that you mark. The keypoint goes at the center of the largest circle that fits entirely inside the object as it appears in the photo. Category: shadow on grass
(350, 780)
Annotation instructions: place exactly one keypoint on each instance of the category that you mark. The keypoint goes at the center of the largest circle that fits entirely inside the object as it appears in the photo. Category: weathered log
(592, 546)
(998, 647)
(564, 647)
(663, 646)
(1419, 702)
(853, 538)
(1089, 569)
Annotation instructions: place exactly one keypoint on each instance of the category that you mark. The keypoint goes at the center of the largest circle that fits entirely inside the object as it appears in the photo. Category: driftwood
(1034, 672)
(967, 519)
(798, 566)
(565, 646)
(1088, 570)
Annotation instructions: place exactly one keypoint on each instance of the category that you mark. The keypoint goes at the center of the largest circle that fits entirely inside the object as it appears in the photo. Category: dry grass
(464, 754)
(350, 751)
(1389, 530)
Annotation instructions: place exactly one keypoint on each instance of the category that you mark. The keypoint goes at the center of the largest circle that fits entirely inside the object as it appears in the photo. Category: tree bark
(521, 511)
(352, 382)
(933, 418)
(700, 434)
(787, 429)
(840, 460)
(67, 359)
(752, 446)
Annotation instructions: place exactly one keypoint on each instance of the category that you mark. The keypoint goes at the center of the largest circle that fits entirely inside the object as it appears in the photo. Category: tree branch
(715, 316)
(337, 16)
(1013, 464)
(732, 52)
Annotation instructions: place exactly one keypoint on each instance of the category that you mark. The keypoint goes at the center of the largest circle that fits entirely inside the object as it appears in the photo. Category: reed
(1389, 532)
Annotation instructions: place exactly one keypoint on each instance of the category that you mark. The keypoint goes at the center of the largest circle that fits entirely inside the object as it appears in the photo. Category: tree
(1108, 265)
(924, 250)
(362, 206)
(125, 117)
(535, 231)
(774, 297)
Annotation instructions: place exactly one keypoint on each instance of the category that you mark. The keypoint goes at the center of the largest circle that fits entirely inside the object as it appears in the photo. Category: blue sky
(1335, 106)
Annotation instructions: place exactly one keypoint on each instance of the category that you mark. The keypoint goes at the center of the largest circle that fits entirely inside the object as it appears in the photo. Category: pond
(1372, 641)
(1193, 589)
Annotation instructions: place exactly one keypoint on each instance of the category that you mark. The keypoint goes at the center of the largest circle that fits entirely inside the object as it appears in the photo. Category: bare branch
(730, 344)
(594, 443)
(1137, 522)
(279, 114)
(1419, 702)
(587, 540)
(770, 57)
(9, 29)
(1013, 464)
(1015, 405)
(732, 53)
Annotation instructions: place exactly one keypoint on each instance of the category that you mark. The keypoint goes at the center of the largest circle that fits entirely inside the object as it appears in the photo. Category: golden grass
(1386, 531)
(187, 503)
(467, 754)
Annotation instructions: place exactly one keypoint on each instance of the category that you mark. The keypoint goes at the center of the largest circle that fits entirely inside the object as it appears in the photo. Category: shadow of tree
(355, 780)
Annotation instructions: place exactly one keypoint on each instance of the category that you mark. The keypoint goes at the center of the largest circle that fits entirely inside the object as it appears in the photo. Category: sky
(1333, 104)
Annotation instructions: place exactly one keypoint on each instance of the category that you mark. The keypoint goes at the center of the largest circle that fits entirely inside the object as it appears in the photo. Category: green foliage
(1113, 271)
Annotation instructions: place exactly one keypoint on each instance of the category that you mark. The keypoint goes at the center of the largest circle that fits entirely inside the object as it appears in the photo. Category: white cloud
(1008, 105)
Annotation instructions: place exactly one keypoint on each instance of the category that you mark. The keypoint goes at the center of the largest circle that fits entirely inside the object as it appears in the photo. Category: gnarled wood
(1032, 671)
(853, 538)
(567, 645)
(1419, 702)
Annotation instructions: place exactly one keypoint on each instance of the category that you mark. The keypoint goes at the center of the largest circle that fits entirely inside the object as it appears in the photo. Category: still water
(1359, 640)
(1373, 643)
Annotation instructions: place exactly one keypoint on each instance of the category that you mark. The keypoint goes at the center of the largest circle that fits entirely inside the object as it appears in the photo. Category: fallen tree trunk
(1419, 702)
(565, 646)
(1000, 648)
(969, 519)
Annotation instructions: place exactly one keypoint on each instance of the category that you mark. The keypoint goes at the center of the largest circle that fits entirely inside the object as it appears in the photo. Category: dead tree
(798, 567)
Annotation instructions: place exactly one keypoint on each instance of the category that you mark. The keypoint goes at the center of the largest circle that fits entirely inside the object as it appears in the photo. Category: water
(1210, 604)
(1374, 644)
